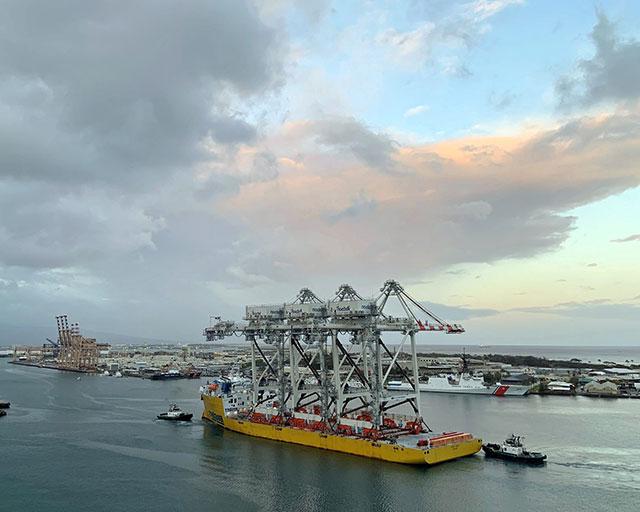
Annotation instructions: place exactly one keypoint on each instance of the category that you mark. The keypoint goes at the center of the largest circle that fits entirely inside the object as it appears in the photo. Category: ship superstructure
(461, 383)
(319, 373)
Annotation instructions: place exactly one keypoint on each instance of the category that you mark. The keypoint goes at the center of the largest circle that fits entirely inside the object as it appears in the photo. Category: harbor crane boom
(330, 355)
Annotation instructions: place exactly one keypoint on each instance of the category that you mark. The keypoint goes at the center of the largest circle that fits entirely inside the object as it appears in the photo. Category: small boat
(513, 449)
(175, 414)
(2, 413)
(4, 404)
(169, 375)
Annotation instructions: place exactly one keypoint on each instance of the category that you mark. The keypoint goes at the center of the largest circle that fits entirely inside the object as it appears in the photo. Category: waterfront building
(518, 379)
(560, 387)
(602, 388)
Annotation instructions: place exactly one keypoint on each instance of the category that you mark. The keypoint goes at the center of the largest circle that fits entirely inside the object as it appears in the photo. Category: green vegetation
(532, 361)
(491, 378)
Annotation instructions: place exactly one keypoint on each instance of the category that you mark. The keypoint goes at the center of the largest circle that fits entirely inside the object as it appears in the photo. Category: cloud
(231, 130)
(148, 151)
(70, 229)
(458, 313)
(461, 26)
(120, 125)
(101, 105)
(630, 238)
(447, 312)
(414, 45)
(245, 278)
(611, 74)
(110, 93)
(485, 9)
(313, 10)
(347, 134)
(452, 204)
(475, 210)
(594, 309)
(360, 205)
(455, 68)
(503, 100)
(414, 111)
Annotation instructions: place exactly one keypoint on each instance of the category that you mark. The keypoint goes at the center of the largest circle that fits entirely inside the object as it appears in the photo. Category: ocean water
(559, 352)
(93, 444)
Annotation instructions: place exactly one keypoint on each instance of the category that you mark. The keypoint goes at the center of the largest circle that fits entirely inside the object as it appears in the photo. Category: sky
(161, 162)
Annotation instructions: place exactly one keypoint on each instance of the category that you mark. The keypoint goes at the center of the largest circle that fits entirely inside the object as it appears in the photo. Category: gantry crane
(330, 355)
(75, 352)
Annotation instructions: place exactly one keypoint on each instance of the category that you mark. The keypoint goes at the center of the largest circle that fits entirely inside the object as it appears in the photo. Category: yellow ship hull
(214, 412)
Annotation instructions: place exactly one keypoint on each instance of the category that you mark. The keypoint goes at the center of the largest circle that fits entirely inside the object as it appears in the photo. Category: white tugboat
(513, 449)
(175, 414)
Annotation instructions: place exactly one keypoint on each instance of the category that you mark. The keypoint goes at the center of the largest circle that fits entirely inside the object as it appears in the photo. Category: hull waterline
(502, 390)
(382, 450)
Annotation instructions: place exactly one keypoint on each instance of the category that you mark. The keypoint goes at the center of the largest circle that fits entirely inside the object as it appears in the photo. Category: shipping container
(265, 312)
(311, 310)
(350, 308)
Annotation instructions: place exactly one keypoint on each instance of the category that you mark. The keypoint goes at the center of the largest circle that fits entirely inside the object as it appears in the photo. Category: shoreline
(51, 367)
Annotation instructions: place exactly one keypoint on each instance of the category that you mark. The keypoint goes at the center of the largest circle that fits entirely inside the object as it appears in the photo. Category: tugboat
(175, 414)
(513, 449)
(168, 375)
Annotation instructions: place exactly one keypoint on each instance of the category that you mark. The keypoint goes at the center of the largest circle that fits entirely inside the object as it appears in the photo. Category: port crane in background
(56, 347)
(330, 356)
(75, 352)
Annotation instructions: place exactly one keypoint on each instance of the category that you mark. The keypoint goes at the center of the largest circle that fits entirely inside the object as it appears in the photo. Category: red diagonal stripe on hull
(501, 390)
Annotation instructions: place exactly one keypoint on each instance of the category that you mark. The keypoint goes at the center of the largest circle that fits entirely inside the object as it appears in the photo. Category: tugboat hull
(494, 451)
(182, 417)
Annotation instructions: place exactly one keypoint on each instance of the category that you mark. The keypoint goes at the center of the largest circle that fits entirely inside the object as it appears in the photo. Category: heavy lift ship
(322, 376)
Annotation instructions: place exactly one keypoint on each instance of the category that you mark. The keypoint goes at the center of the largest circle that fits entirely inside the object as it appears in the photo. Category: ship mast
(330, 355)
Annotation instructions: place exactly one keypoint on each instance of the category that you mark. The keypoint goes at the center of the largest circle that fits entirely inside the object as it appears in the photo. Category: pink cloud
(410, 208)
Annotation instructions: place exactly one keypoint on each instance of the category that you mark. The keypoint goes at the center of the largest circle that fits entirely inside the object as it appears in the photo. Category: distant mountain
(11, 335)
(25, 335)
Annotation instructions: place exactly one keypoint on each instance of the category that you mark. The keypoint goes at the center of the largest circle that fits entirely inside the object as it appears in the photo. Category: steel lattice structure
(74, 350)
(331, 355)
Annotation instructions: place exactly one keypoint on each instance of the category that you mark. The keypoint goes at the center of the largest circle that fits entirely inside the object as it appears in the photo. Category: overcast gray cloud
(613, 73)
(116, 120)
(109, 90)
(123, 95)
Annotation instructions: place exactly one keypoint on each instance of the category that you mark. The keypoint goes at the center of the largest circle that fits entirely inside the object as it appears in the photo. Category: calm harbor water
(92, 444)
